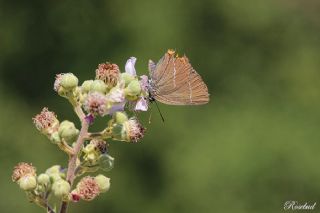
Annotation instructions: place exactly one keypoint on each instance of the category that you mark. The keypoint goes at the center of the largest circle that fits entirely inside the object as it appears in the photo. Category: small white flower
(130, 66)
(141, 105)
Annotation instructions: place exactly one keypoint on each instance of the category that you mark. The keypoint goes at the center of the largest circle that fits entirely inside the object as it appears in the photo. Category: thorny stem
(73, 157)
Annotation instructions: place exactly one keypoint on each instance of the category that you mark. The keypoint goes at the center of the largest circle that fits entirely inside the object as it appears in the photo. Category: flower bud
(133, 89)
(69, 81)
(28, 182)
(55, 138)
(55, 173)
(127, 78)
(103, 183)
(61, 188)
(44, 179)
(96, 104)
(21, 170)
(98, 86)
(55, 177)
(68, 131)
(86, 85)
(108, 73)
(53, 170)
(120, 117)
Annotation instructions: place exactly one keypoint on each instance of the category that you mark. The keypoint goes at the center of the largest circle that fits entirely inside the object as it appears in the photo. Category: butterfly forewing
(175, 82)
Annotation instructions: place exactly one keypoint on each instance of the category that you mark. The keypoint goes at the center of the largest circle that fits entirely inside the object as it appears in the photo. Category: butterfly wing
(175, 82)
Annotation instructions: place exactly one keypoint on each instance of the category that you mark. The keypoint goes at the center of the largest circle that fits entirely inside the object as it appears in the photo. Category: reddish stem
(73, 158)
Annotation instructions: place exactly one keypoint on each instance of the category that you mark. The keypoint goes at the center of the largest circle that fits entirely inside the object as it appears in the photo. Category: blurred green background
(253, 147)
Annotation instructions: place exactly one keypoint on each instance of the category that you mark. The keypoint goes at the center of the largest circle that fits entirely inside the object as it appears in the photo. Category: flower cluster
(110, 94)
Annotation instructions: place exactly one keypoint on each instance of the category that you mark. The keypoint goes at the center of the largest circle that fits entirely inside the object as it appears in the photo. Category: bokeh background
(253, 147)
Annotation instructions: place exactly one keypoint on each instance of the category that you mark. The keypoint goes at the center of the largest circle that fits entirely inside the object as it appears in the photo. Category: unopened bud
(103, 183)
(68, 131)
(86, 85)
(43, 179)
(134, 88)
(61, 188)
(69, 81)
(98, 86)
(28, 182)
(55, 138)
(127, 78)
(53, 170)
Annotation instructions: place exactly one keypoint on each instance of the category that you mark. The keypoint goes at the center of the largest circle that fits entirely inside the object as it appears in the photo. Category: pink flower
(96, 104)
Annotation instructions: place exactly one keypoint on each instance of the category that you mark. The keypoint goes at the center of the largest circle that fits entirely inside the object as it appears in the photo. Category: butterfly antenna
(159, 111)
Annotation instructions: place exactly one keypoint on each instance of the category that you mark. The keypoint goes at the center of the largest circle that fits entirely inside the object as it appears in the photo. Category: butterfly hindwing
(175, 82)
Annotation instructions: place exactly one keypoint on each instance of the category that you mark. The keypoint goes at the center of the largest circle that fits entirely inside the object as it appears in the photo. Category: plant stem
(76, 150)
(73, 158)
(49, 209)
(43, 202)
(65, 147)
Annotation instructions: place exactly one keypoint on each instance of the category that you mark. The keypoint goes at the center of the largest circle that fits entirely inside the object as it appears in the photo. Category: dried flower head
(96, 104)
(46, 120)
(87, 188)
(22, 170)
(109, 73)
(134, 130)
(99, 145)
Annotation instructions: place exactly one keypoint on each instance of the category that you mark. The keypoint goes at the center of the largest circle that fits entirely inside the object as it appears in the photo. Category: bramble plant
(108, 94)
(172, 81)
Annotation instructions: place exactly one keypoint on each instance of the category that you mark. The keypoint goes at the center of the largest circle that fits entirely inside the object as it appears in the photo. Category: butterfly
(173, 81)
